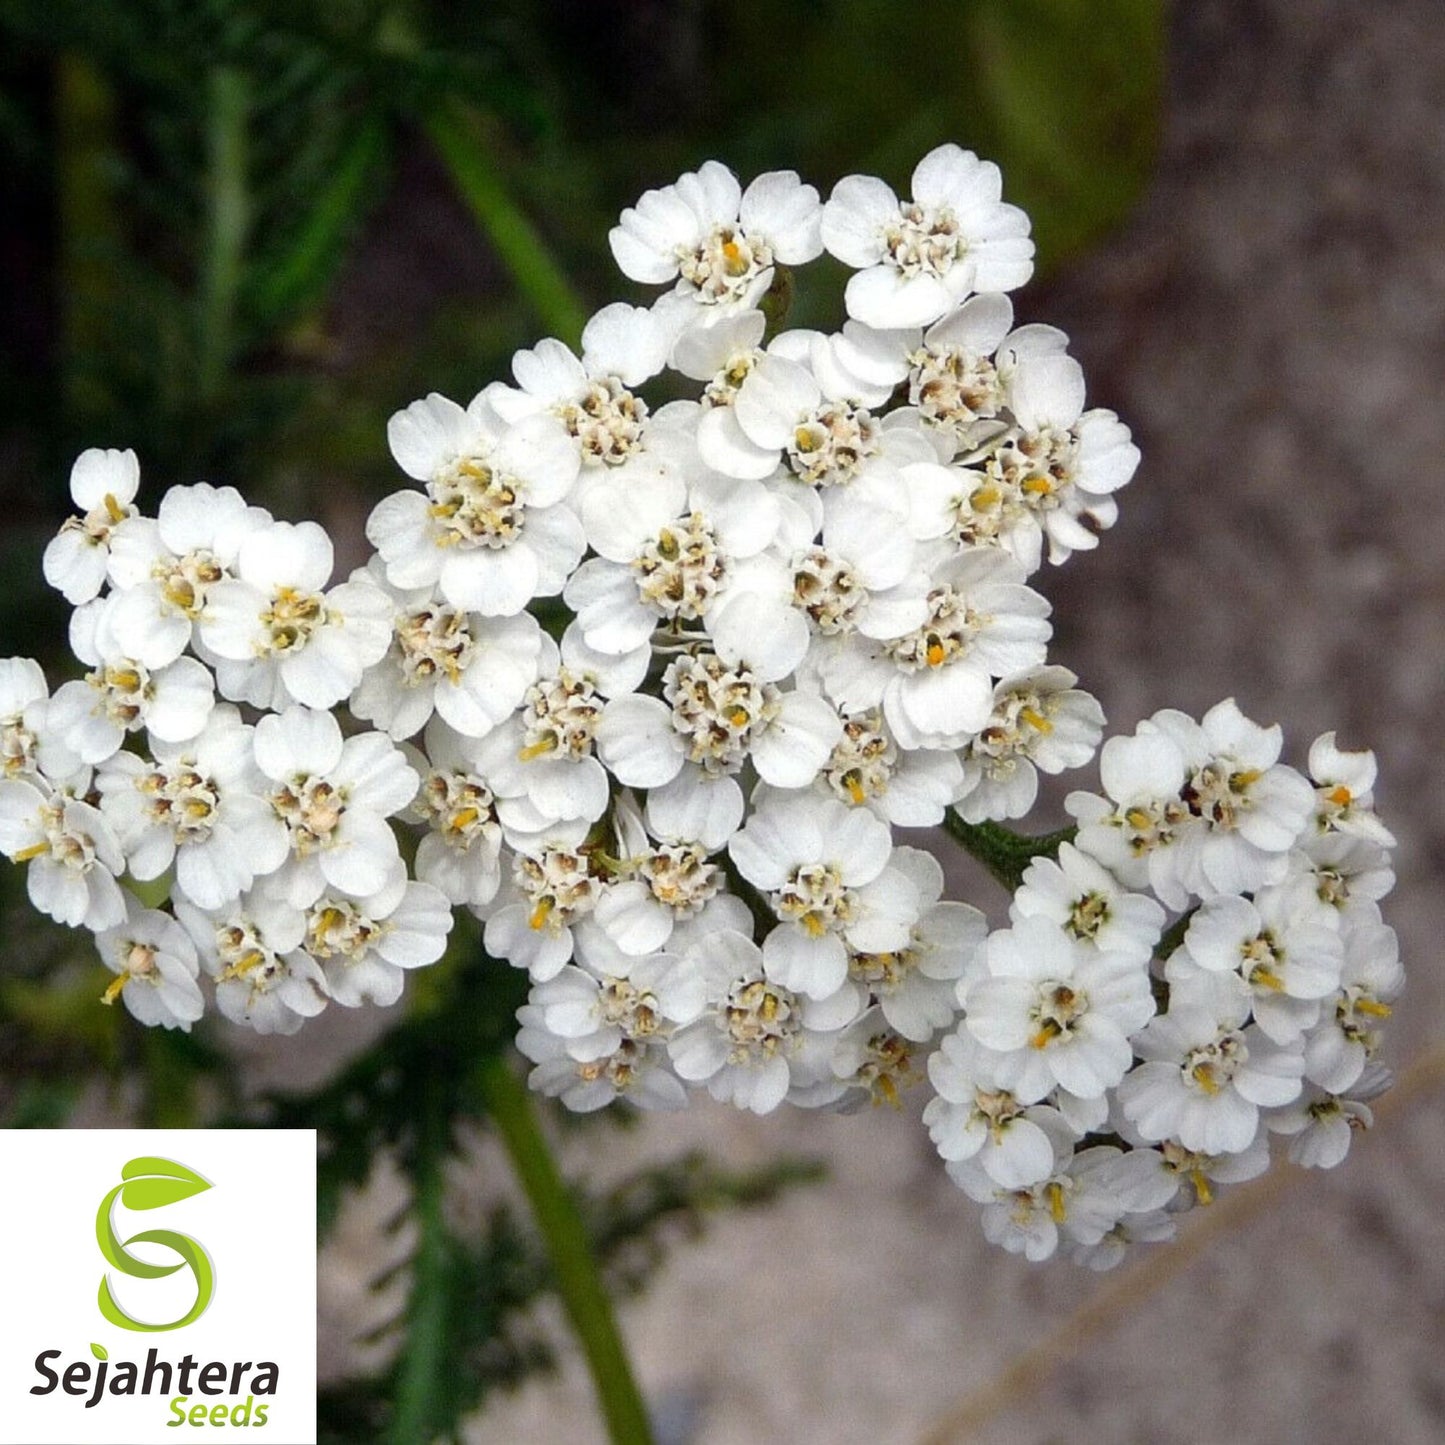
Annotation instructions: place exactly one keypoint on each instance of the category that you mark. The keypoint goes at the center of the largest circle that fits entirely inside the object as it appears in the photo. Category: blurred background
(236, 235)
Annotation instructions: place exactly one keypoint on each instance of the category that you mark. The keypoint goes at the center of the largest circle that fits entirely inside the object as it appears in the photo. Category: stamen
(255, 957)
(34, 851)
(1373, 1007)
(113, 509)
(113, 991)
(1046, 1035)
(1055, 1194)
(179, 593)
(1202, 1192)
(541, 913)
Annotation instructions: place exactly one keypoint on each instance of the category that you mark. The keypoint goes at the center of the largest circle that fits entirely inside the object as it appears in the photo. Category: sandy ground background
(1272, 324)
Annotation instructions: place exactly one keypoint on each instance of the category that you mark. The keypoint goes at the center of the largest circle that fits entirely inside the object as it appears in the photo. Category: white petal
(633, 918)
(495, 582)
(636, 741)
(427, 434)
(99, 472)
(298, 743)
(854, 219)
(776, 394)
(793, 749)
(726, 448)
(705, 810)
(788, 213)
(951, 177)
(882, 296)
(817, 967)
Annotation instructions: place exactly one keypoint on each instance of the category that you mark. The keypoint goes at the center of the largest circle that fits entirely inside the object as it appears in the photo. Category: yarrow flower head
(918, 259)
(643, 677)
(103, 485)
(719, 242)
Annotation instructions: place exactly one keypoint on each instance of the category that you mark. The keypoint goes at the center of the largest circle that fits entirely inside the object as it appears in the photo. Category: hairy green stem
(1003, 852)
(455, 133)
(578, 1281)
(228, 218)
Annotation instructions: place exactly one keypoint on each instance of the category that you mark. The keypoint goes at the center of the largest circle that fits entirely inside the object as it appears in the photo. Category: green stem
(578, 1280)
(455, 133)
(425, 1354)
(1003, 852)
(169, 1084)
(228, 219)
(1174, 935)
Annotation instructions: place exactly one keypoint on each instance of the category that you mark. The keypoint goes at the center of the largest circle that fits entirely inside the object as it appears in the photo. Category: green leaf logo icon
(151, 1183)
(100, 1352)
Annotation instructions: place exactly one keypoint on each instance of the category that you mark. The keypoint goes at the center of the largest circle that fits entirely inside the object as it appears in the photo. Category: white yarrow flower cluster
(647, 686)
(1256, 1012)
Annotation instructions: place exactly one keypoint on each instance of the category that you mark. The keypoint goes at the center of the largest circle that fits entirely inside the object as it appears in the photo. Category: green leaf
(458, 133)
(1003, 852)
(297, 277)
(99, 1351)
(153, 1182)
(154, 1193)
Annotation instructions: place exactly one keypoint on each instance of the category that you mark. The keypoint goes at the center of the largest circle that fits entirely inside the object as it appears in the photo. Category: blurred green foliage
(239, 233)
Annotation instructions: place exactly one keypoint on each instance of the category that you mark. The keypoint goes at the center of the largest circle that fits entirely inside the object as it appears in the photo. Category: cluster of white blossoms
(1110, 1068)
(649, 687)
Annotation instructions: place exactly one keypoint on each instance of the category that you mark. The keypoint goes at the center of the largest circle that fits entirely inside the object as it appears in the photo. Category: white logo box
(257, 1224)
